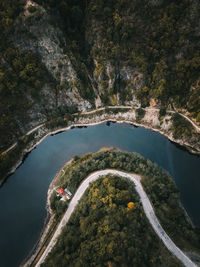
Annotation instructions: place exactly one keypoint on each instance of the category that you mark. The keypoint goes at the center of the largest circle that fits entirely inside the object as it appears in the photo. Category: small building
(68, 192)
(61, 191)
(64, 194)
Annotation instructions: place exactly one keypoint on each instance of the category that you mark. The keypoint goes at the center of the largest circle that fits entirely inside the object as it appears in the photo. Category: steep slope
(49, 42)
(85, 54)
(86, 224)
(37, 79)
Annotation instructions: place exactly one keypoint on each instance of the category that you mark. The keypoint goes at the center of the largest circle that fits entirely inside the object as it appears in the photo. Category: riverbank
(66, 170)
(151, 120)
(47, 224)
(146, 205)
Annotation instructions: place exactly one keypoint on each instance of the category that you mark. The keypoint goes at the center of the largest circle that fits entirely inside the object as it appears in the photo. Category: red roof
(61, 191)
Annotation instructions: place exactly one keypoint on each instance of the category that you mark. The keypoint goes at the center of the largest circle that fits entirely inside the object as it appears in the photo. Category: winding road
(103, 108)
(197, 128)
(148, 209)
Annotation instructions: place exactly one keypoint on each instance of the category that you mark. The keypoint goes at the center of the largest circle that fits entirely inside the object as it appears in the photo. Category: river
(23, 196)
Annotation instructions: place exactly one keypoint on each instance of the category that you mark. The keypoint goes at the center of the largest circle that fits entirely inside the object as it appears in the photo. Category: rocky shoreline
(47, 223)
(150, 121)
(81, 122)
(50, 218)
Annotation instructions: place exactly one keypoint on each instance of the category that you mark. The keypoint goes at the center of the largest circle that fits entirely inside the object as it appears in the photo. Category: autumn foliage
(130, 205)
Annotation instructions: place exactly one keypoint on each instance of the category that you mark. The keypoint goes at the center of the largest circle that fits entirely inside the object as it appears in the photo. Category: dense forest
(22, 76)
(109, 228)
(120, 51)
(157, 183)
(159, 39)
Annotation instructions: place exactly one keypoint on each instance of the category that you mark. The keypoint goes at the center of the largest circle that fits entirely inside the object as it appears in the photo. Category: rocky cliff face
(46, 38)
(41, 33)
(93, 63)
(75, 85)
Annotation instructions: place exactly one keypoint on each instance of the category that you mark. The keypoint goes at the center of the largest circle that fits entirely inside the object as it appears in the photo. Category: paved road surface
(148, 209)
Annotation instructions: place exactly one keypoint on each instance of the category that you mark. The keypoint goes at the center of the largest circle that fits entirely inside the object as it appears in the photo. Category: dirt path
(186, 117)
(148, 209)
(103, 108)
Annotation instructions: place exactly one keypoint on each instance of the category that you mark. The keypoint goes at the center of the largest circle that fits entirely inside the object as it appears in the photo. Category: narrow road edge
(103, 108)
(148, 209)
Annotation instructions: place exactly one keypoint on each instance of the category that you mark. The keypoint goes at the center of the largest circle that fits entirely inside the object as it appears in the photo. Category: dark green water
(23, 196)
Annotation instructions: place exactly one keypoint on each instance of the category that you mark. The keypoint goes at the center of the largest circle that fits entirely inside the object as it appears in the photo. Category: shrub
(32, 9)
(180, 126)
(162, 111)
(140, 113)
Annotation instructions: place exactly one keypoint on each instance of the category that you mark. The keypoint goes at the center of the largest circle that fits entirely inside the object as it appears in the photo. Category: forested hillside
(108, 225)
(156, 182)
(158, 41)
(109, 228)
(22, 75)
(61, 56)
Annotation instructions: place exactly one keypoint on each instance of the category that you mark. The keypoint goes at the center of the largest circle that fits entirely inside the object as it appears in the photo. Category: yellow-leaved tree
(130, 205)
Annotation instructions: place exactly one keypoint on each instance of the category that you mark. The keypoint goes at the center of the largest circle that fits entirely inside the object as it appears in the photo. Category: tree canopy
(159, 186)
(103, 231)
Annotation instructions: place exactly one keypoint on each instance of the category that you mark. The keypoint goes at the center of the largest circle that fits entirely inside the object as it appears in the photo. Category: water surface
(23, 196)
